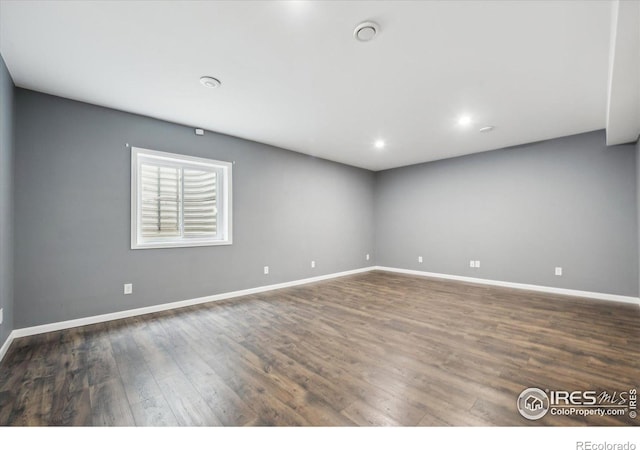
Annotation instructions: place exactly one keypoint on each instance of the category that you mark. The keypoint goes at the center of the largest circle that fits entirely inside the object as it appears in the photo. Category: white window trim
(185, 160)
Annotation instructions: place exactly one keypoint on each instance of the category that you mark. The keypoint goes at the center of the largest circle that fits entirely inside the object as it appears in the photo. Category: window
(179, 201)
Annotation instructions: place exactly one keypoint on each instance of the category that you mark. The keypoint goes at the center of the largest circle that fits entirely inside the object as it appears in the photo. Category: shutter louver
(200, 213)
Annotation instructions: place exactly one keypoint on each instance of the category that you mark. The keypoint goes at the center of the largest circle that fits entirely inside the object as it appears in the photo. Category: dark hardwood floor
(369, 349)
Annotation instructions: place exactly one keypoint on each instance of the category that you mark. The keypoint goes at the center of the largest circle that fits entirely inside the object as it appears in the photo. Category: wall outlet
(477, 264)
(128, 289)
(266, 270)
(472, 263)
(559, 271)
(1, 315)
(367, 257)
(313, 264)
(420, 259)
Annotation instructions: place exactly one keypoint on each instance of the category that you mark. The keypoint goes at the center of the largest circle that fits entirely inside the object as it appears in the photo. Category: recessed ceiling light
(366, 31)
(210, 82)
(379, 143)
(486, 129)
(464, 120)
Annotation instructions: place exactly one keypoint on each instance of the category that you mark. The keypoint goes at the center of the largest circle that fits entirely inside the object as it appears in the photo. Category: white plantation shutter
(160, 201)
(200, 207)
(179, 201)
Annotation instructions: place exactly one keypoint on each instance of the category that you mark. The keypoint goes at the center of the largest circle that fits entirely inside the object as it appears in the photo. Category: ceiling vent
(366, 31)
(210, 82)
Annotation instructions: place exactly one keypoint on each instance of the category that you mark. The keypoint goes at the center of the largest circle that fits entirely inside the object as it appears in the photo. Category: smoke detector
(366, 31)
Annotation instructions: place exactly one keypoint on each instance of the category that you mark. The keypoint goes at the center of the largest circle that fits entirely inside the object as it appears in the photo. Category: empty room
(320, 214)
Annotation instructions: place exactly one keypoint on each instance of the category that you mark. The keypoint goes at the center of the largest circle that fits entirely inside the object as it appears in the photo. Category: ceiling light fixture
(210, 82)
(464, 121)
(366, 31)
(486, 129)
(379, 143)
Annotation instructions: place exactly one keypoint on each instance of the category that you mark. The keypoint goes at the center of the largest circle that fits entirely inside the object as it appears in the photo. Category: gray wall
(521, 211)
(568, 202)
(6, 197)
(72, 205)
(638, 201)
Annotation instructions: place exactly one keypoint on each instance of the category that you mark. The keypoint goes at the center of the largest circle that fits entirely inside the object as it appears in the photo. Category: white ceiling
(294, 76)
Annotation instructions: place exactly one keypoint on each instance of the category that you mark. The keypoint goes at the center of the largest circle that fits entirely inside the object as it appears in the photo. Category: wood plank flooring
(369, 349)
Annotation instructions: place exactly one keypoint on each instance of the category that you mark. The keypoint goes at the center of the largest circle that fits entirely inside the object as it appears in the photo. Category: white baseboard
(528, 287)
(46, 328)
(22, 332)
(6, 345)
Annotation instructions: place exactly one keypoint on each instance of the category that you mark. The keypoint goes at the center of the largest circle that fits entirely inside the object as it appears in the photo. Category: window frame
(224, 199)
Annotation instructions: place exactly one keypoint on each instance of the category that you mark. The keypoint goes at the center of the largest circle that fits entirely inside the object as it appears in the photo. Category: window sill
(151, 245)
